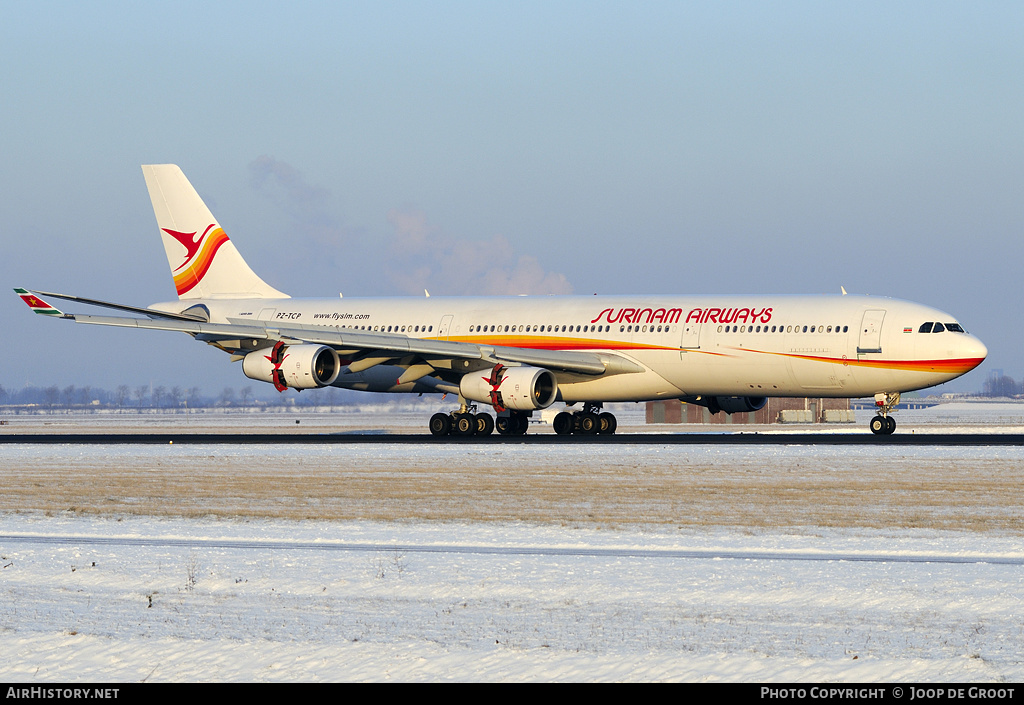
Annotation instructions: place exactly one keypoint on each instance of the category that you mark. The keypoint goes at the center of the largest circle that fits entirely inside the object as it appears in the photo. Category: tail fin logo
(199, 255)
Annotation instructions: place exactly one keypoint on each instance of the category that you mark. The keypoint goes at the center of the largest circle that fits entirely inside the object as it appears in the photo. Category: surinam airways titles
(697, 315)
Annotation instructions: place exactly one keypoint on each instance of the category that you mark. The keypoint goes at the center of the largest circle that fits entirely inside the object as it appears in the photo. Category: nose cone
(972, 351)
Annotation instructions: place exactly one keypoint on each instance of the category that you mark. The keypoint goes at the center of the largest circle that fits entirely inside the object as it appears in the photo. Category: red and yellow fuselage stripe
(555, 343)
(952, 366)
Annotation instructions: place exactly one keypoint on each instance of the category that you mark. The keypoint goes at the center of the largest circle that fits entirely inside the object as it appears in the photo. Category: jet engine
(296, 366)
(729, 405)
(517, 388)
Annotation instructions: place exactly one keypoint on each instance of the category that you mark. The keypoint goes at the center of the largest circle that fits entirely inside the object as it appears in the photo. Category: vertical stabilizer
(203, 261)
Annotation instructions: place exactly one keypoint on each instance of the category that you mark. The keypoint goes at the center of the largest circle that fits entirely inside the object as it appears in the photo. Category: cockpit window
(933, 327)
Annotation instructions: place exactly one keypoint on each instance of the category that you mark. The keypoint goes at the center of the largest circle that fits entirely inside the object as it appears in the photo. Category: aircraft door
(691, 336)
(871, 332)
(446, 324)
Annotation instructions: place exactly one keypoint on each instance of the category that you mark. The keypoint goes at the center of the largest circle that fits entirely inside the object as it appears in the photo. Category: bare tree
(68, 396)
(158, 396)
(121, 396)
(999, 385)
(141, 392)
(52, 396)
(175, 397)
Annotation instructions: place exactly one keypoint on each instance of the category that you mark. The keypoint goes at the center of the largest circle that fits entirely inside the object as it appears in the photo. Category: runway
(75, 540)
(383, 437)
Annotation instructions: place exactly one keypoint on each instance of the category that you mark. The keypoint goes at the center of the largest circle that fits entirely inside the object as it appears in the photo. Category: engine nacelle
(298, 366)
(518, 388)
(729, 405)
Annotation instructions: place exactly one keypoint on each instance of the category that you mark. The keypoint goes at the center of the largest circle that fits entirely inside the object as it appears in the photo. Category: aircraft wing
(368, 348)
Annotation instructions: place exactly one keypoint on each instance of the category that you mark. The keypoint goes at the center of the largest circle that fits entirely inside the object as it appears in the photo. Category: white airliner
(520, 354)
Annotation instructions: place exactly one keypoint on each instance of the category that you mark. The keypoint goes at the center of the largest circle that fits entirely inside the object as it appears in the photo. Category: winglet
(37, 304)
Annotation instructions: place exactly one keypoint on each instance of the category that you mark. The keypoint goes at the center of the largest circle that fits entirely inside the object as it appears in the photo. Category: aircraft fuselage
(825, 346)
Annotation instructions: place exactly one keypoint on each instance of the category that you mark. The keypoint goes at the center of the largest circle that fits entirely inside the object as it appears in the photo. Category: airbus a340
(521, 354)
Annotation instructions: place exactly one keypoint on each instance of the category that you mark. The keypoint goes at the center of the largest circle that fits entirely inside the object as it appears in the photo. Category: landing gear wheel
(883, 424)
(484, 424)
(440, 424)
(512, 425)
(607, 423)
(521, 422)
(563, 423)
(464, 425)
(587, 423)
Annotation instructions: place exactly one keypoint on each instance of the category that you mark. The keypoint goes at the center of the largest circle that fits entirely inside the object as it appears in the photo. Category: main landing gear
(467, 422)
(464, 422)
(588, 422)
(883, 424)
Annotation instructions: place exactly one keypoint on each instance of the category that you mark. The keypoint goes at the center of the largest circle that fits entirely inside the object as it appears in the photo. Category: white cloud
(425, 257)
(417, 256)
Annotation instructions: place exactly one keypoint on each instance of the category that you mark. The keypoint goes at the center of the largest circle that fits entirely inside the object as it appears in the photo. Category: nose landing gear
(883, 424)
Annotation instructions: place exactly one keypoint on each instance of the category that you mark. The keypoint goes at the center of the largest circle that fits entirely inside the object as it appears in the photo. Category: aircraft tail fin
(203, 261)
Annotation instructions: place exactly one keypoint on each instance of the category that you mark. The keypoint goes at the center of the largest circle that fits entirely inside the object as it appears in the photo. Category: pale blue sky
(629, 147)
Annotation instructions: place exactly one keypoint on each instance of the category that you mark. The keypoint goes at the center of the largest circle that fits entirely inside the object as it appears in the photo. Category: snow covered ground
(119, 596)
(163, 599)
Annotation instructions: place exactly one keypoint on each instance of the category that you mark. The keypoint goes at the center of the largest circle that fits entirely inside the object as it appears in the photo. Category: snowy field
(259, 600)
(632, 563)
